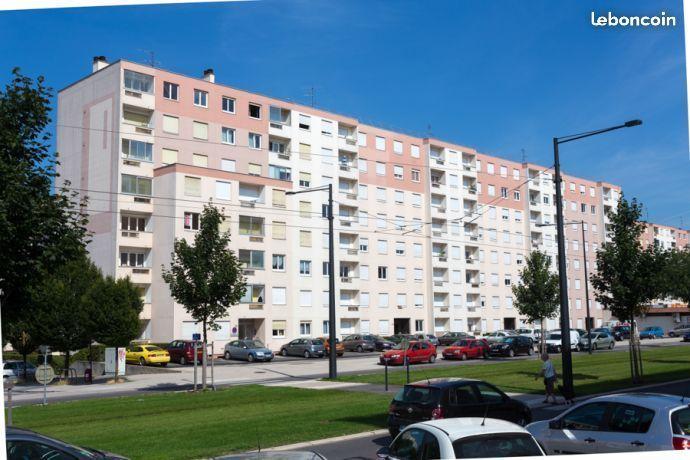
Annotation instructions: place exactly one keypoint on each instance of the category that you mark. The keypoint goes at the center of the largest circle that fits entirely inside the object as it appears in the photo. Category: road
(366, 447)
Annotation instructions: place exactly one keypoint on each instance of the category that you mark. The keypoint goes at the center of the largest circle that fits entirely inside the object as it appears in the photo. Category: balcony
(137, 120)
(136, 239)
(280, 121)
(138, 99)
(140, 204)
(138, 275)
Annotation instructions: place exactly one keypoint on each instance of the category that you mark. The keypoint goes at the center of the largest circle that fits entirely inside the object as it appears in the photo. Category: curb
(318, 442)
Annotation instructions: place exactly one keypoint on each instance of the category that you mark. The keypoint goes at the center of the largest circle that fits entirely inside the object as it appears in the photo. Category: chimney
(99, 63)
(209, 75)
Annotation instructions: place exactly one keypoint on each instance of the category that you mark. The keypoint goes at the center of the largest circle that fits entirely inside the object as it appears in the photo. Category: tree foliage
(677, 274)
(41, 230)
(115, 321)
(206, 277)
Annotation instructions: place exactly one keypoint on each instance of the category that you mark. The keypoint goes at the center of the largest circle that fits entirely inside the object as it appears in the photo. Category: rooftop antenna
(524, 155)
(428, 130)
(151, 59)
(311, 92)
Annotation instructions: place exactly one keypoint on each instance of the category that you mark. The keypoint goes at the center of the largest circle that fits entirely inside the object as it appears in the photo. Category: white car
(467, 437)
(629, 422)
(498, 336)
(533, 334)
(553, 341)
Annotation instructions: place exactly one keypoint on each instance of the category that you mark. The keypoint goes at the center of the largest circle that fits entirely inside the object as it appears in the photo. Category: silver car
(304, 347)
(600, 340)
(679, 331)
(249, 350)
(628, 422)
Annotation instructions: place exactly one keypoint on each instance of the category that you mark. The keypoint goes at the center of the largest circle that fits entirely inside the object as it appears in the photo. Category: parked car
(652, 332)
(146, 354)
(430, 337)
(248, 350)
(533, 334)
(15, 368)
(600, 340)
(511, 346)
(468, 348)
(686, 337)
(452, 398)
(359, 343)
(621, 332)
(608, 331)
(627, 422)
(25, 444)
(416, 351)
(471, 437)
(679, 330)
(339, 347)
(182, 351)
(498, 335)
(449, 338)
(397, 338)
(308, 348)
(554, 344)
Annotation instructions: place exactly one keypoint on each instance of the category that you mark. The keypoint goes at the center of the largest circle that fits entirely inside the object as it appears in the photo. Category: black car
(366, 342)
(511, 346)
(449, 338)
(25, 444)
(451, 398)
(621, 333)
(615, 335)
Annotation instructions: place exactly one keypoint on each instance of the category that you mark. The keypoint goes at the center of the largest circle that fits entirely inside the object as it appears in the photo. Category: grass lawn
(597, 373)
(187, 425)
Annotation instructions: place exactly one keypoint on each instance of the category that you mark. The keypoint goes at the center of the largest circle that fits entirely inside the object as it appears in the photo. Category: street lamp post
(332, 367)
(568, 390)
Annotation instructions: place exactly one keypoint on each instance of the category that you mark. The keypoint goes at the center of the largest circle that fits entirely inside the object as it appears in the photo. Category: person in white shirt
(549, 374)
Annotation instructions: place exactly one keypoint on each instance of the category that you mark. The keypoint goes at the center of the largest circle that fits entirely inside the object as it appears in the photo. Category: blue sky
(499, 76)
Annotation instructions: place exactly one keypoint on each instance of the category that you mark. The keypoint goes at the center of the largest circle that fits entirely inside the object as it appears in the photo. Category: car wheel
(142, 361)
(432, 358)
(360, 349)
(529, 351)
(671, 334)
(463, 357)
(183, 361)
(594, 347)
(511, 353)
(283, 352)
(227, 355)
(307, 354)
(250, 358)
(578, 347)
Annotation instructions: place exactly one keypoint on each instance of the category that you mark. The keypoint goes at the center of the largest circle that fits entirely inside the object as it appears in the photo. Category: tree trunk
(542, 346)
(24, 353)
(203, 360)
(635, 369)
(67, 366)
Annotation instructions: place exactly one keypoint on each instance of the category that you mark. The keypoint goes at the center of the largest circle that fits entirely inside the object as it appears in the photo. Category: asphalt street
(366, 447)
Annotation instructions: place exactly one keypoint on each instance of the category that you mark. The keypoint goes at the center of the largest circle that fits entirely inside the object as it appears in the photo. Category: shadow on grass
(667, 361)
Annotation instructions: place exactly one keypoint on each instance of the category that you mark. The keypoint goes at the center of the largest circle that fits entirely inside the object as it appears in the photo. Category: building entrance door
(509, 324)
(246, 328)
(401, 326)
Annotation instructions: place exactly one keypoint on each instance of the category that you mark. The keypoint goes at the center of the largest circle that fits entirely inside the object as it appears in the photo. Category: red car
(416, 351)
(467, 348)
(182, 351)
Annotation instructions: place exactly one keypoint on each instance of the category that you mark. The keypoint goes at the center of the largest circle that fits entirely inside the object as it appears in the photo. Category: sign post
(195, 338)
(45, 373)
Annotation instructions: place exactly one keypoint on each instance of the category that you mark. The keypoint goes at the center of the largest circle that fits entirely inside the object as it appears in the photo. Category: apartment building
(430, 235)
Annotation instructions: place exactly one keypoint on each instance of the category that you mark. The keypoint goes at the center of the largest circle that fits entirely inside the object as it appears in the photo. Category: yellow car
(147, 354)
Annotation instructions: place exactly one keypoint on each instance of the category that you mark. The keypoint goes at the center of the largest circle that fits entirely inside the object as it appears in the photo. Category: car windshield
(411, 394)
(255, 344)
(496, 446)
(507, 339)
(317, 342)
(593, 335)
(402, 345)
(554, 337)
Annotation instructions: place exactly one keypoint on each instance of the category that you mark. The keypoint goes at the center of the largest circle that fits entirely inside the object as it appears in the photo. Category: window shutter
(192, 186)
(171, 124)
(278, 198)
(305, 238)
(254, 169)
(200, 160)
(200, 130)
(168, 156)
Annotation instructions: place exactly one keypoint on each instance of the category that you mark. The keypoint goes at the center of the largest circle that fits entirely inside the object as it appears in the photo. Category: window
(278, 328)
(589, 417)
(254, 141)
(398, 172)
(200, 98)
(361, 139)
(380, 143)
(362, 164)
(593, 209)
(504, 192)
(363, 299)
(251, 225)
(227, 165)
(626, 418)
(383, 300)
(414, 175)
(138, 82)
(227, 135)
(382, 246)
(305, 298)
(505, 214)
(171, 90)
(325, 268)
(504, 171)
(171, 124)
(327, 128)
(416, 199)
(380, 168)
(278, 262)
(132, 223)
(491, 190)
(305, 238)
(305, 327)
(305, 209)
(364, 272)
(419, 300)
(305, 267)
(278, 230)
(228, 104)
(252, 259)
(516, 196)
(278, 296)
(362, 192)
(304, 122)
(400, 248)
(304, 179)
(191, 221)
(516, 174)
(200, 130)
(222, 190)
(383, 273)
(506, 258)
(414, 151)
(381, 194)
(279, 172)
(418, 274)
(490, 168)
(254, 111)
(132, 259)
(136, 185)
(137, 150)
(364, 244)
(400, 273)
(199, 160)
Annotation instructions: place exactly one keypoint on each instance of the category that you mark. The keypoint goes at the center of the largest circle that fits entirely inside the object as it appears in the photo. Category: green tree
(40, 229)
(537, 294)
(206, 277)
(21, 337)
(677, 274)
(628, 276)
(64, 306)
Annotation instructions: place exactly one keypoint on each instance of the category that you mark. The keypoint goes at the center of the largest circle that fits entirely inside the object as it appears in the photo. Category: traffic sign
(196, 336)
(44, 374)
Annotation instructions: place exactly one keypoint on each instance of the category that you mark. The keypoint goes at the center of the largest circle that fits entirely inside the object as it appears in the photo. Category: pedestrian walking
(548, 373)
